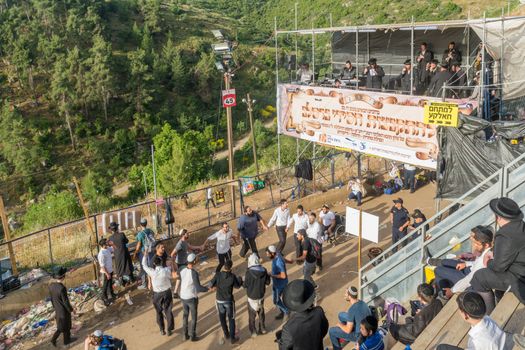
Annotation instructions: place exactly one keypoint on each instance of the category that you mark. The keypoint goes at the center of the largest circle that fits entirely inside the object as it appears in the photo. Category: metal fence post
(208, 206)
(50, 247)
(96, 231)
(241, 198)
(332, 170)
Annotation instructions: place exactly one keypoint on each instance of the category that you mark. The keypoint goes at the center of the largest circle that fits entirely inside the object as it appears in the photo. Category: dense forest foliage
(87, 86)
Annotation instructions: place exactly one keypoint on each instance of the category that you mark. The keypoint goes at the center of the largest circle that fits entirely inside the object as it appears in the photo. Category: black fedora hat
(299, 295)
(506, 208)
(59, 272)
(113, 225)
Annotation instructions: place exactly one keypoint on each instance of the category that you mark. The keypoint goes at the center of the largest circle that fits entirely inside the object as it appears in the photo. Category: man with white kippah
(103, 341)
(180, 255)
(279, 279)
(189, 290)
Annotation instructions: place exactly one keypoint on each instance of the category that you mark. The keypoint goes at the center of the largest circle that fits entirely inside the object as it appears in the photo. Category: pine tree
(140, 80)
(99, 79)
(151, 12)
(63, 93)
(179, 73)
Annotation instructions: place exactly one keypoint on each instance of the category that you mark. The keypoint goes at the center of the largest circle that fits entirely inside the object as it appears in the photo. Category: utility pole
(8, 237)
(229, 122)
(249, 103)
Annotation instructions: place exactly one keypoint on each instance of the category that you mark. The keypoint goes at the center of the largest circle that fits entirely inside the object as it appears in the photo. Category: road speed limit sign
(228, 98)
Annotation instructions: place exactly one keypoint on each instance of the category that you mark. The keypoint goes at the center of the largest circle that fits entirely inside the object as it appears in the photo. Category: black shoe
(54, 343)
(426, 255)
(186, 336)
(170, 333)
(195, 338)
(162, 332)
(280, 316)
(71, 341)
(234, 340)
(263, 330)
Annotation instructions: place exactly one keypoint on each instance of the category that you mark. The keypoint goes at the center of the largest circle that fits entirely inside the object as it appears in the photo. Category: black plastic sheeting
(393, 47)
(467, 158)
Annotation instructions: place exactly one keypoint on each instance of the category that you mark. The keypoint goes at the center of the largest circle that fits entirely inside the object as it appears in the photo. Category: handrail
(502, 175)
(432, 219)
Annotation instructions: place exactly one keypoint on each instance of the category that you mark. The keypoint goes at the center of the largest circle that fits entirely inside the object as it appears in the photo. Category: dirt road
(136, 324)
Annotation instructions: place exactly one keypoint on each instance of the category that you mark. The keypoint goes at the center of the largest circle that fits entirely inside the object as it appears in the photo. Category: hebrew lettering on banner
(379, 124)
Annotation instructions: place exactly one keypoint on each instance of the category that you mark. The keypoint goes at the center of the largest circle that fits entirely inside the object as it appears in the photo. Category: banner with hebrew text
(380, 124)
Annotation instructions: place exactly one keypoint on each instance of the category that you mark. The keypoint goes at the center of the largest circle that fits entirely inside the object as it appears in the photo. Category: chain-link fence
(73, 243)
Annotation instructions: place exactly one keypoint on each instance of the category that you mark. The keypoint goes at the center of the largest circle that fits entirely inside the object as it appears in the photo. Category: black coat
(408, 332)
(123, 262)
(509, 255)
(375, 82)
(304, 330)
(435, 88)
(456, 56)
(427, 57)
(62, 306)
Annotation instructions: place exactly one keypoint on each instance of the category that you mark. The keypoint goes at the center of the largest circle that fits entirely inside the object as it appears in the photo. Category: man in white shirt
(315, 231)
(105, 261)
(190, 287)
(454, 275)
(280, 219)
(410, 177)
(162, 298)
(484, 333)
(300, 221)
(223, 248)
(327, 219)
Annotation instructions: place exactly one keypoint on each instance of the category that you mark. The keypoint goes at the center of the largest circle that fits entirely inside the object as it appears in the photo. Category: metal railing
(399, 269)
(71, 242)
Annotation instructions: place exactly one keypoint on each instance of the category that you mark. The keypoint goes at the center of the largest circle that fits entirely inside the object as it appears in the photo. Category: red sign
(229, 99)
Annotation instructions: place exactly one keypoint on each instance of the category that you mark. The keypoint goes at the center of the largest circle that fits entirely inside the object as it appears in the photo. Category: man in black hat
(425, 77)
(374, 75)
(62, 306)
(400, 220)
(506, 266)
(484, 332)
(459, 79)
(443, 77)
(408, 332)
(404, 78)
(308, 325)
(123, 263)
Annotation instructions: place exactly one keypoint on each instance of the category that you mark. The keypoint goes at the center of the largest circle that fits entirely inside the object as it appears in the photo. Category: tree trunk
(32, 84)
(105, 102)
(68, 122)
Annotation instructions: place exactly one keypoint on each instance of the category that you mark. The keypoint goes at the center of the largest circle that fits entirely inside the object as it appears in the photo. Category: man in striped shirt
(280, 218)
(300, 221)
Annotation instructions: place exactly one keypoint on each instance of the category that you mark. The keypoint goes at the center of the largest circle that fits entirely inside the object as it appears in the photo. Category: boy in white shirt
(105, 261)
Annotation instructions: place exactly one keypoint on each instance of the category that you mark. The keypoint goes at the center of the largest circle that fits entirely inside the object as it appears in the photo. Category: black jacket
(509, 255)
(225, 282)
(255, 282)
(61, 304)
(435, 88)
(375, 82)
(408, 332)
(304, 330)
(427, 57)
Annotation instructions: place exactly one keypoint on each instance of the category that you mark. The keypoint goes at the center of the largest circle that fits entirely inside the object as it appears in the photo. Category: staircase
(399, 270)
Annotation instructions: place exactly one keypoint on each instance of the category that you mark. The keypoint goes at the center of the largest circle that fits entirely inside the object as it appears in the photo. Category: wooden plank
(452, 334)
(440, 321)
(398, 346)
(516, 323)
(502, 314)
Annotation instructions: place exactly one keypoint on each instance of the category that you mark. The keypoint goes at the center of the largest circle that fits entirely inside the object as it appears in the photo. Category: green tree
(140, 80)
(63, 93)
(99, 79)
(150, 10)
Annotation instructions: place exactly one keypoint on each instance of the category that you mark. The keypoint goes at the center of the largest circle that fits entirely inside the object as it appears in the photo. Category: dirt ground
(136, 324)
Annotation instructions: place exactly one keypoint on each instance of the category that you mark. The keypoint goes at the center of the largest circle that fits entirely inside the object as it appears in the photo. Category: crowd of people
(425, 74)
(495, 265)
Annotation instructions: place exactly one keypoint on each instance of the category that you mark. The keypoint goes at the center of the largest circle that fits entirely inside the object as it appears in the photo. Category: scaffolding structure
(481, 27)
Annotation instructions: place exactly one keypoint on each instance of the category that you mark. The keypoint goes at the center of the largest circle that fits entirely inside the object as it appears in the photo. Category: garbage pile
(38, 321)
